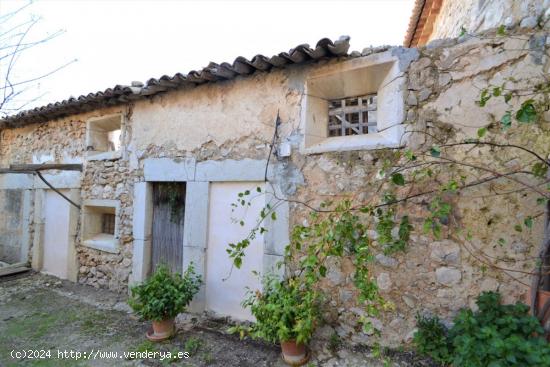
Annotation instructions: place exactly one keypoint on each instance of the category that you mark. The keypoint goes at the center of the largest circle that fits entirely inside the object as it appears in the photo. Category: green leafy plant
(431, 339)
(192, 345)
(285, 310)
(164, 294)
(334, 343)
(494, 335)
(422, 187)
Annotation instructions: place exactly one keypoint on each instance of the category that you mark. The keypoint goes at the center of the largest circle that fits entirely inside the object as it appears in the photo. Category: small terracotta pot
(542, 298)
(162, 330)
(294, 354)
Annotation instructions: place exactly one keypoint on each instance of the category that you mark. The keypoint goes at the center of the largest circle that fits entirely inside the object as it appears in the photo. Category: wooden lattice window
(108, 223)
(352, 116)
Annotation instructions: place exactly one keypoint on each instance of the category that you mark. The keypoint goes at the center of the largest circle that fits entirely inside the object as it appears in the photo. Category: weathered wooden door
(168, 215)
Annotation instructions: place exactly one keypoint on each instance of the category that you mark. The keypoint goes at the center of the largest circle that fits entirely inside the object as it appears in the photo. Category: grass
(334, 343)
(39, 320)
(145, 346)
(192, 345)
(207, 357)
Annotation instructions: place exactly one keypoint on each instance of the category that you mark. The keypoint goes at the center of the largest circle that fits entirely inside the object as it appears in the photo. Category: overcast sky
(116, 42)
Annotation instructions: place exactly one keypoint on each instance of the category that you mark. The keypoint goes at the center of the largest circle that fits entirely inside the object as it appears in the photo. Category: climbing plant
(419, 189)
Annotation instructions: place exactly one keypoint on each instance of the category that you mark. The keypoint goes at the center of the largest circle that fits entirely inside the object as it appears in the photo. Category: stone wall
(481, 15)
(235, 120)
(55, 141)
(442, 276)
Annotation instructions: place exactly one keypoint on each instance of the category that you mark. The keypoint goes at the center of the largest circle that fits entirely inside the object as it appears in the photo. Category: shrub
(432, 339)
(285, 310)
(495, 335)
(164, 294)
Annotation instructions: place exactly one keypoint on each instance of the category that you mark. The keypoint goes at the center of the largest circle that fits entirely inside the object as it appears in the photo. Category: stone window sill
(104, 156)
(349, 143)
(103, 242)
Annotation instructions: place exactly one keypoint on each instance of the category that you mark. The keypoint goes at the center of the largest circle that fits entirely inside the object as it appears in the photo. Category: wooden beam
(42, 167)
(13, 269)
(32, 168)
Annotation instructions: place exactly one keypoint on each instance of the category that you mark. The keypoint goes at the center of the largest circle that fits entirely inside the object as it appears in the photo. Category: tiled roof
(421, 23)
(120, 94)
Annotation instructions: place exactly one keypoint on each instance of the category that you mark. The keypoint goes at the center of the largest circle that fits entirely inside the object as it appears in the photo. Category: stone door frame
(29, 183)
(197, 177)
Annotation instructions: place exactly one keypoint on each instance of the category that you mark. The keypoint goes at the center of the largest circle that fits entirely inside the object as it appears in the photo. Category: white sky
(116, 42)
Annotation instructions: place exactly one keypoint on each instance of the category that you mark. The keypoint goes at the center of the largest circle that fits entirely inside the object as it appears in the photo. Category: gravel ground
(41, 313)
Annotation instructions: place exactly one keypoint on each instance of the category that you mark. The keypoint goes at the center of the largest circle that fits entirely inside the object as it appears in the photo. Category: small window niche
(354, 105)
(100, 224)
(103, 137)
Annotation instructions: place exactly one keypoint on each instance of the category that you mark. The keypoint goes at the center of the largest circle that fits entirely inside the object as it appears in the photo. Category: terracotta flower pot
(162, 330)
(294, 354)
(542, 298)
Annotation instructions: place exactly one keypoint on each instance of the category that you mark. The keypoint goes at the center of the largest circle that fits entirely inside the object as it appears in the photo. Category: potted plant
(286, 312)
(539, 300)
(162, 297)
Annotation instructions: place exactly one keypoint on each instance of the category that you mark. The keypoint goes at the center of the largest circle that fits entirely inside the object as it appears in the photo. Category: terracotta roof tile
(214, 72)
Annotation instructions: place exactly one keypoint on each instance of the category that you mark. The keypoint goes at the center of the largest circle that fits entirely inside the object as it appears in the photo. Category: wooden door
(168, 215)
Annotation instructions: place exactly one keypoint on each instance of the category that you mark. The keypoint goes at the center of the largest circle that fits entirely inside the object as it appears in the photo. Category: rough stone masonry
(235, 119)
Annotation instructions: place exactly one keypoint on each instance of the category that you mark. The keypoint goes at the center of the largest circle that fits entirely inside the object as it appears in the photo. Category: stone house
(157, 165)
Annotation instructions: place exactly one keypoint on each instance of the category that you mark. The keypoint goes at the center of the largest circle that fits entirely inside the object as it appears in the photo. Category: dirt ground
(45, 318)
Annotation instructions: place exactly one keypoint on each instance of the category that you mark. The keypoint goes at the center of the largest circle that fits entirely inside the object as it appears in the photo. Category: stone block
(448, 276)
(231, 170)
(169, 169)
(445, 252)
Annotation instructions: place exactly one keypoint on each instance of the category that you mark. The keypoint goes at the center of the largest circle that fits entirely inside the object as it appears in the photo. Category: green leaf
(273, 216)
(539, 169)
(501, 241)
(435, 151)
(483, 98)
(518, 228)
(238, 262)
(427, 226)
(507, 97)
(398, 179)
(322, 270)
(481, 132)
(501, 31)
(528, 222)
(506, 120)
(437, 230)
(410, 155)
(497, 91)
(527, 113)
(462, 31)
(542, 201)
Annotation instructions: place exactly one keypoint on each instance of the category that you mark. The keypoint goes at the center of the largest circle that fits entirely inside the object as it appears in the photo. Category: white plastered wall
(69, 181)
